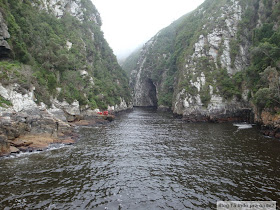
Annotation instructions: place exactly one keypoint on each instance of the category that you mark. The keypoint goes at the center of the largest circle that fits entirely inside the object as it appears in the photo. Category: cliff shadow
(146, 95)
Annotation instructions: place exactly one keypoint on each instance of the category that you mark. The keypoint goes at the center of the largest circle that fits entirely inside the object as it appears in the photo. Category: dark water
(146, 160)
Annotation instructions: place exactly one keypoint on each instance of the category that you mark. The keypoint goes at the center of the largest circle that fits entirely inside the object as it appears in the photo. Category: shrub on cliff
(57, 47)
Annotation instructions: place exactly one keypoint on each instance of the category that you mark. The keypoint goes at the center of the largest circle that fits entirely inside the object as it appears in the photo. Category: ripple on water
(146, 160)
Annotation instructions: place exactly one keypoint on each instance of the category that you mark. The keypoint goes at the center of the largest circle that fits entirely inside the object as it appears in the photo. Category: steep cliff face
(210, 67)
(55, 67)
(208, 64)
(145, 92)
(152, 75)
(69, 59)
(4, 35)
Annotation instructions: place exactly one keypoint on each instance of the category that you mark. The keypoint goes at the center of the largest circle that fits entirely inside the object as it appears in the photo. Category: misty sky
(128, 24)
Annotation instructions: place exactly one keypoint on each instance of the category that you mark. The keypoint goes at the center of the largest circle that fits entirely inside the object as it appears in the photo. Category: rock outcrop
(73, 7)
(25, 117)
(123, 106)
(4, 35)
(4, 145)
(26, 126)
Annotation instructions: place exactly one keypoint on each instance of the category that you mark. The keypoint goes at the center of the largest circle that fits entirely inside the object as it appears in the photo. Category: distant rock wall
(144, 90)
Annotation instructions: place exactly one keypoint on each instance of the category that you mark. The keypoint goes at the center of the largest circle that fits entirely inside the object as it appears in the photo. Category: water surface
(146, 160)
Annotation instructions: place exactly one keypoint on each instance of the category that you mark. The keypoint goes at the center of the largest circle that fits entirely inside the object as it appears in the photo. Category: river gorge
(145, 160)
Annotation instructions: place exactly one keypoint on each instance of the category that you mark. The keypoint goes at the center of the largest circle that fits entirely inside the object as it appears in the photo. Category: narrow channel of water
(146, 160)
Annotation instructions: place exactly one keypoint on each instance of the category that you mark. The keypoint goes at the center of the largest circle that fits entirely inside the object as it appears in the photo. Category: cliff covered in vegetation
(220, 62)
(55, 67)
(57, 48)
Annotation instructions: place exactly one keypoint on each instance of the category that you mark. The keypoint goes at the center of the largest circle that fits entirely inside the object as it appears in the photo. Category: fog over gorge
(128, 24)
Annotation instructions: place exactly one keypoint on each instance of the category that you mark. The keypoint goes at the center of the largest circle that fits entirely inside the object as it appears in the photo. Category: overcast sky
(128, 24)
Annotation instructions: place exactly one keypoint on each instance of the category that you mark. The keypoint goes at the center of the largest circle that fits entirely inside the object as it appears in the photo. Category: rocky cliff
(203, 87)
(4, 35)
(56, 67)
(214, 63)
(67, 55)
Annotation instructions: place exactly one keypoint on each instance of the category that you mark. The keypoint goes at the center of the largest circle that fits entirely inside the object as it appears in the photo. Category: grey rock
(4, 35)
(4, 145)
(14, 149)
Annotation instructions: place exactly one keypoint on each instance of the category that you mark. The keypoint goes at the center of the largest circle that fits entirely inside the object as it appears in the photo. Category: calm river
(146, 160)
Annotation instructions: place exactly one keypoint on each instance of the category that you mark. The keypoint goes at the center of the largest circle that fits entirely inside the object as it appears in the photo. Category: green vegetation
(263, 73)
(15, 72)
(6, 69)
(39, 40)
(229, 86)
(130, 63)
(205, 95)
(4, 102)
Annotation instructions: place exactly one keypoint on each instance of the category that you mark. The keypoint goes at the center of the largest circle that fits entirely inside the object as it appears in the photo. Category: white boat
(243, 125)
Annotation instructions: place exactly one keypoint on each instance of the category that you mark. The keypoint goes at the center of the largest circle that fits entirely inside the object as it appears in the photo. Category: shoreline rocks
(269, 122)
(28, 133)
(23, 132)
(4, 146)
(94, 120)
(27, 126)
(241, 115)
(36, 129)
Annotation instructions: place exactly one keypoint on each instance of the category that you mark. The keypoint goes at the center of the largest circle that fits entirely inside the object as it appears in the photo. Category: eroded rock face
(71, 111)
(144, 89)
(40, 123)
(146, 94)
(120, 107)
(19, 100)
(219, 37)
(26, 117)
(270, 123)
(4, 35)
(73, 7)
(205, 99)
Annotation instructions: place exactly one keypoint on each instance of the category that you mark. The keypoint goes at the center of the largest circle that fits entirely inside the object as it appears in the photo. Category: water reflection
(146, 160)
